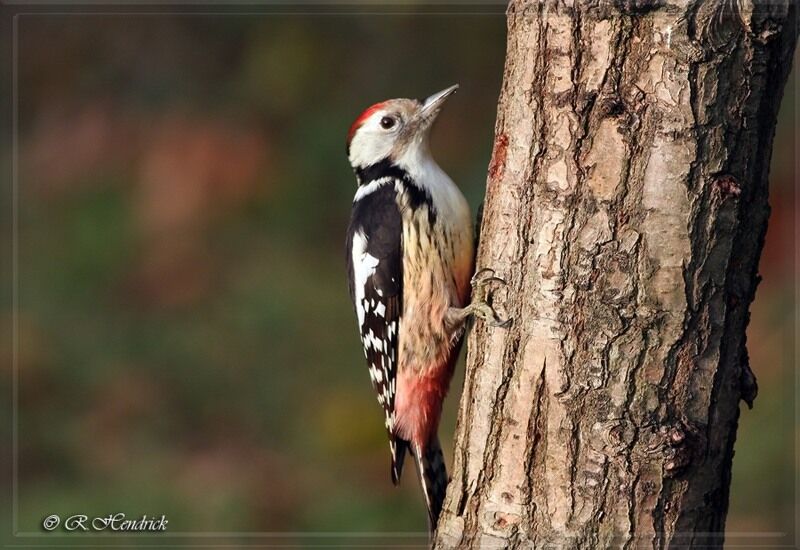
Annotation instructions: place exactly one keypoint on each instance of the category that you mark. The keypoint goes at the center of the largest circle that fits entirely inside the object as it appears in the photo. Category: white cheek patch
(371, 143)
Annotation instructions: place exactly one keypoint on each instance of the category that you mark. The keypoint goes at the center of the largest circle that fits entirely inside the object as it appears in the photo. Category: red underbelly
(418, 402)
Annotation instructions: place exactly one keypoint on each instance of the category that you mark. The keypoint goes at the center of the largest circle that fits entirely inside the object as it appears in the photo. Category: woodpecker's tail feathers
(398, 447)
(433, 476)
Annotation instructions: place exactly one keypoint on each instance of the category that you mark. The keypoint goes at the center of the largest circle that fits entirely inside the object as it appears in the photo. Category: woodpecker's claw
(481, 272)
(479, 280)
(487, 281)
(482, 298)
(488, 314)
(502, 324)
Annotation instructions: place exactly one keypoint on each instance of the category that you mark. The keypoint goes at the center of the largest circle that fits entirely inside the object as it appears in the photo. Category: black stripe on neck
(417, 196)
(382, 169)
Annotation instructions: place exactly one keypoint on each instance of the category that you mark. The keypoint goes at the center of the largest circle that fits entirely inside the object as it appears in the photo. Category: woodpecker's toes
(482, 284)
(484, 277)
(483, 290)
(484, 311)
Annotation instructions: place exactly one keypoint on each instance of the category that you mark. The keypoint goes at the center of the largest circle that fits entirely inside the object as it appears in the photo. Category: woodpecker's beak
(432, 105)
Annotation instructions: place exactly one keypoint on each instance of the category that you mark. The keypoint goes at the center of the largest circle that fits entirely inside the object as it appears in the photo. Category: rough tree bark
(626, 207)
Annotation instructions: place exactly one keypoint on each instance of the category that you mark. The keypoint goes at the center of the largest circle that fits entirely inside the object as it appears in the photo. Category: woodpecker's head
(395, 130)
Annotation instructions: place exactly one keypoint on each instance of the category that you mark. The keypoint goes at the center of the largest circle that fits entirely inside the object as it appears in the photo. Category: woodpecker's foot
(484, 284)
(484, 277)
(484, 311)
(481, 305)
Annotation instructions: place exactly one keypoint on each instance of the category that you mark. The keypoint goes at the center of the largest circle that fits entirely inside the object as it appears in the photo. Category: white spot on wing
(363, 267)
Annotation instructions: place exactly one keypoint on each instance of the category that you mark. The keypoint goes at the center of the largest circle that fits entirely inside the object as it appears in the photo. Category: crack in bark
(537, 420)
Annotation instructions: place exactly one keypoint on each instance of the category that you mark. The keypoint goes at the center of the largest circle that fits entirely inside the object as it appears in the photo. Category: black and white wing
(375, 273)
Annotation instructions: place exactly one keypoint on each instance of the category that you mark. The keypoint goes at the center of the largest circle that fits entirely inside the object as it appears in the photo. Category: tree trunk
(626, 208)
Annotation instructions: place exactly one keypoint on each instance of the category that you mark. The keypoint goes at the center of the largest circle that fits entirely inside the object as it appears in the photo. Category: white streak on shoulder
(370, 187)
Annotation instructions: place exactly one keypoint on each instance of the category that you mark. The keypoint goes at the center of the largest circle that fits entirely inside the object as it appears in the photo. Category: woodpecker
(410, 256)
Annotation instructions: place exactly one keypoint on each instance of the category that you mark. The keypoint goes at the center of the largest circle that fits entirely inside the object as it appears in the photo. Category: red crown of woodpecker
(361, 119)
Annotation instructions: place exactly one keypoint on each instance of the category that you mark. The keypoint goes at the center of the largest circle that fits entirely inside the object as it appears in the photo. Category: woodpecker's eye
(387, 122)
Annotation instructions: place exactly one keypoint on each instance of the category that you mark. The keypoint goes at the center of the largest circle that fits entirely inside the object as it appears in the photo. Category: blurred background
(187, 346)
